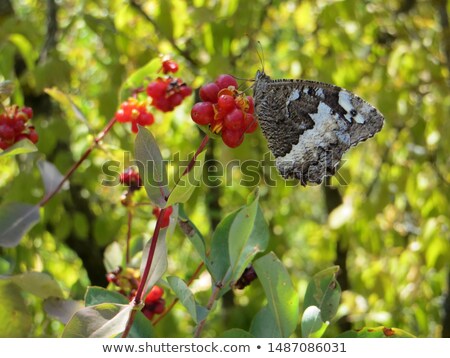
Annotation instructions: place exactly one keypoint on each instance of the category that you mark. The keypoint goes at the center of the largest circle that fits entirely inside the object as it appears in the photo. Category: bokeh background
(386, 223)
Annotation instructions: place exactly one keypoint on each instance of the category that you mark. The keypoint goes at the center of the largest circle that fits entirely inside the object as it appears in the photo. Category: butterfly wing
(310, 125)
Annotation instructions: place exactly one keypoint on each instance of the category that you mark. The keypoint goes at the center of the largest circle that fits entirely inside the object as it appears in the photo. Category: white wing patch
(328, 128)
(345, 101)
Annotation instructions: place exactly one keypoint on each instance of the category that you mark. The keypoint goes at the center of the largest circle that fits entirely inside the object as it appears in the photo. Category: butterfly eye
(353, 112)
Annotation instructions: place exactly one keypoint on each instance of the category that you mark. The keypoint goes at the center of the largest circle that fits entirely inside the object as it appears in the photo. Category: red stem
(130, 220)
(140, 290)
(74, 167)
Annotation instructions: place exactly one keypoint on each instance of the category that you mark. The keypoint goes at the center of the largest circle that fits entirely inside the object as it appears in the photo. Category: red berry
(176, 99)
(251, 105)
(166, 218)
(224, 81)
(250, 123)
(226, 103)
(28, 111)
(121, 116)
(208, 92)
(158, 306)
(156, 210)
(157, 88)
(162, 103)
(148, 312)
(7, 132)
(185, 91)
(232, 138)
(234, 120)
(130, 177)
(3, 144)
(154, 295)
(202, 113)
(145, 119)
(169, 66)
(33, 136)
(19, 126)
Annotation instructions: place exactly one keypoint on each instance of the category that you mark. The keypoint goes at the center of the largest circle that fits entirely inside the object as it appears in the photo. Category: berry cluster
(13, 126)
(131, 178)
(226, 110)
(166, 218)
(163, 93)
(135, 112)
(154, 303)
(167, 93)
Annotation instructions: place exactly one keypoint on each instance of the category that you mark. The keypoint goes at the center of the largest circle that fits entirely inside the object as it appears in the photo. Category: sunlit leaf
(311, 321)
(97, 295)
(137, 78)
(113, 256)
(152, 169)
(21, 147)
(264, 325)
(187, 183)
(324, 293)
(38, 283)
(15, 221)
(185, 296)
(14, 315)
(50, 176)
(61, 309)
(281, 296)
(105, 320)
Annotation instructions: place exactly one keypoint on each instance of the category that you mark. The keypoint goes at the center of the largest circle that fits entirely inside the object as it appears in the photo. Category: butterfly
(310, 125)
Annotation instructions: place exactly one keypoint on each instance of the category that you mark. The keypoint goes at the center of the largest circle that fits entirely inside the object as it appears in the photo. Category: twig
(211, 301)
(130, 220)
(74, 167)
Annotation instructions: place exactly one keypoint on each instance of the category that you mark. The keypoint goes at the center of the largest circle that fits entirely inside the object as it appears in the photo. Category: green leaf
(6, 90)
(236, 333)
(26, 49)
(264, 325)
(324, 292)
(185, 295)
(113, 256)
(152, 169)
(244, 245)
(218, 262)
(96, 295)
(192, 233)
(21, 147)
(39, 284)
(159, 263)
(15, 221)
(101, 321)
(50, 176)
(281, 295)
(137, 78)
(311, 321)
(15, 318)
(61, 309)
(66, 103)
(376, 332)
(187, 183)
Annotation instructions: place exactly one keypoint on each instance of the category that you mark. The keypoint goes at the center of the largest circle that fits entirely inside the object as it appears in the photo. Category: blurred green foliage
(390, 223)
